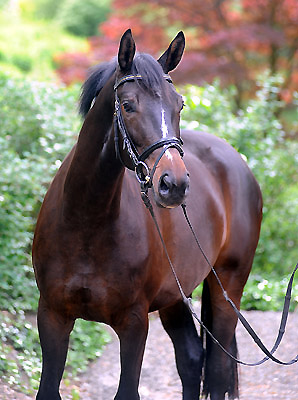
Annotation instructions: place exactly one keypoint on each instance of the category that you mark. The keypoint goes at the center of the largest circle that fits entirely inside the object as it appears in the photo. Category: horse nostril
(172, 191)
(186, 183)
(165, 184)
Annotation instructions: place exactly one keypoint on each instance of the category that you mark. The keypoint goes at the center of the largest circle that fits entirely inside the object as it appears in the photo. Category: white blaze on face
(165, 132)
(164, 127)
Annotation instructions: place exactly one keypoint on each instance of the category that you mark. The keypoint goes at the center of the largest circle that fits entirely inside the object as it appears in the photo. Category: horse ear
(127, 51)
(171, 58)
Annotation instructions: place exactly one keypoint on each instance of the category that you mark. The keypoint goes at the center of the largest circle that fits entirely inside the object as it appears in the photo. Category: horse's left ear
(171, 58)
(126, 51)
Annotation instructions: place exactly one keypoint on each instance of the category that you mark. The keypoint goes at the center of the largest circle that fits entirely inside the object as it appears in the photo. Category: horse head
(147, 117)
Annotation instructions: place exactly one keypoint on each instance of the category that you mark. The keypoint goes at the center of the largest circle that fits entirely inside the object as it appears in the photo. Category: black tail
(231, 384)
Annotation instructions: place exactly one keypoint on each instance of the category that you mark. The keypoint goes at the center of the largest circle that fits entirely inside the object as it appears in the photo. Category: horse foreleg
(179, 325)
(54, 331)
(132, 333)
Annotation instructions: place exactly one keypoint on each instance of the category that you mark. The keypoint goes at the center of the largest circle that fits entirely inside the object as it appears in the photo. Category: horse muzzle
(171, 190)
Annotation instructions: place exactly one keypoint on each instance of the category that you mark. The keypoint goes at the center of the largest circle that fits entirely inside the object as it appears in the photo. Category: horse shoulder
(241, 194)
(223, 161)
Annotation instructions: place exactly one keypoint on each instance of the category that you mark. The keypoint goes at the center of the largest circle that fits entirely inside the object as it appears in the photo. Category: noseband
(143, 173)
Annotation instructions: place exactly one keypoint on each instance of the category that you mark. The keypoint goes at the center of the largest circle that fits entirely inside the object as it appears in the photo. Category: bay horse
(96, 251)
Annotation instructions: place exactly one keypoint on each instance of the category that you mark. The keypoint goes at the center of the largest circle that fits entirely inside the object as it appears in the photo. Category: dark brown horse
(96, 252)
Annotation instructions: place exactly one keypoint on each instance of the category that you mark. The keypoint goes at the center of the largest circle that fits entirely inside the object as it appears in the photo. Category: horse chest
(101, 276)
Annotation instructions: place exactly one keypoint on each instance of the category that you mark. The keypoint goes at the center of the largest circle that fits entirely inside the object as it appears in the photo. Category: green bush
(20, 191)
(20, 352)
(267, 294)
(37, 119)
(257, 133)
(83, 17)
(37, 129)
(23, 62)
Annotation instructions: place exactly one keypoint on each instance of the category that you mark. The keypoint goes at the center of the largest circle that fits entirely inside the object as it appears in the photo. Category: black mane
(143, 64)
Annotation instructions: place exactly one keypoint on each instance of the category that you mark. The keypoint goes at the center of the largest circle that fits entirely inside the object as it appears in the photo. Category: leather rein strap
(143, 173)
(245, 323)
(145, 176)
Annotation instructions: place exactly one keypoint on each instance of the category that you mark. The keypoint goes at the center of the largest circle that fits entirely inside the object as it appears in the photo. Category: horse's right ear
(126, 52)
(171, 58)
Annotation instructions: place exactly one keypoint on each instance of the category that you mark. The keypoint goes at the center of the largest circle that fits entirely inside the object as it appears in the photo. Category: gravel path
(159, 379)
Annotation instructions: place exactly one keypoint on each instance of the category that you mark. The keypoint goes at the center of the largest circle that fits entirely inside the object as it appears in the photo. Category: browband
(130, 78)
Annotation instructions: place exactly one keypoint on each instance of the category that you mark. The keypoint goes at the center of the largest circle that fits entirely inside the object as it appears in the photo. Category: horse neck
(93, 183)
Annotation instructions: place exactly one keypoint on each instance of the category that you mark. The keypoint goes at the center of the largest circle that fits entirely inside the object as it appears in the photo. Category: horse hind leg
(54, 331)
(220, 371)
(179, 325)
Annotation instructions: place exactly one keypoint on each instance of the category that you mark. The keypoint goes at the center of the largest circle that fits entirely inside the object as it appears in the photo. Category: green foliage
(83, 17)
(267, 294)
(37, 129)
(20, 353)
(263, 294)
(29, 46)
(37, 118)
(86, 343)
(23, 62)
(257, 133)
(20, 190)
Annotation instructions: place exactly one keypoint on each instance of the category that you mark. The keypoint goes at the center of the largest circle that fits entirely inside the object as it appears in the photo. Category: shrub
(37, 129)
(20, 353)
(267, 294)
(20, 191)
(23, 62)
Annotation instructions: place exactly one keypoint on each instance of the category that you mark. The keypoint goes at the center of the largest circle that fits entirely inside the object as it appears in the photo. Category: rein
(143, 173)
(145, 177)
(188, 301)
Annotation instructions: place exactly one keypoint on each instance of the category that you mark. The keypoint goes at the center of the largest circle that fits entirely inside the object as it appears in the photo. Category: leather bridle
(138, 164)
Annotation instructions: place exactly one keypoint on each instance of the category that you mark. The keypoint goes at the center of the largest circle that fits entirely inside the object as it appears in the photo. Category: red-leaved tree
(231, 39)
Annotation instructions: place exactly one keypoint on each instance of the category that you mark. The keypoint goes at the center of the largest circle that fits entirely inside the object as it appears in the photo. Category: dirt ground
(159, 379)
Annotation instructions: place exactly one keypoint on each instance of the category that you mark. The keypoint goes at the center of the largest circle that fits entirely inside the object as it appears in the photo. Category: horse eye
(128, 107)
